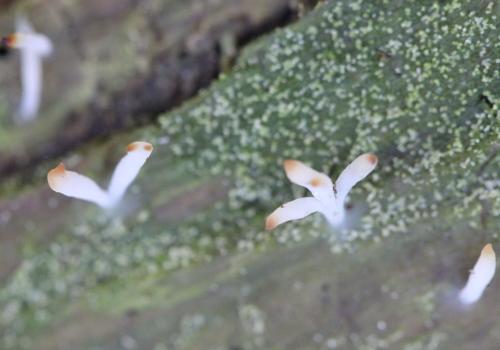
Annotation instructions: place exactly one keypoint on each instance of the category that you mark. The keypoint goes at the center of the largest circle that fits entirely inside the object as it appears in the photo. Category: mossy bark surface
(185, 262)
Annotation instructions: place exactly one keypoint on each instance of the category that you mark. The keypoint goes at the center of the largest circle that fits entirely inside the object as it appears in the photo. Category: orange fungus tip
(316, 182)
(55, 174)
(488, 250)
(58, 170)
(270, 223)
(9, 40)
(290, 164)
(134, 146)
(372, 158)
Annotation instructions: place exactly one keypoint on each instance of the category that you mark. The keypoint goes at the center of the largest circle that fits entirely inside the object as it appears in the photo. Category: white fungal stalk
(479, 277)
(327, 198)
(74, 185)
(33, 47)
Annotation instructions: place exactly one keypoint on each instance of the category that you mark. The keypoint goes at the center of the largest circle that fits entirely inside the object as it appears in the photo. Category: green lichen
(408, 83)
(403, 83)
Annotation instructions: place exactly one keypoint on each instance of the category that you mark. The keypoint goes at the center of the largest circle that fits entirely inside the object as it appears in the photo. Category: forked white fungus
(74, 185)
(480, 276)
(327, 198)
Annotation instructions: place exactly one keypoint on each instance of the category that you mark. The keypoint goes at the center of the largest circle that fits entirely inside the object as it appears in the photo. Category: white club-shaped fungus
(327, 198)
(74, 185)
(480, 276)
(33, 48)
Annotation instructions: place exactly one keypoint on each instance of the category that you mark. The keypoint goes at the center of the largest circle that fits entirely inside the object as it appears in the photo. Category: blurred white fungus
(33, 48)
(480, 276)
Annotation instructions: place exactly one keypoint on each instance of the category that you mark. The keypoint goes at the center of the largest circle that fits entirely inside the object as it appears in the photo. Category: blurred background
(225, 90)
